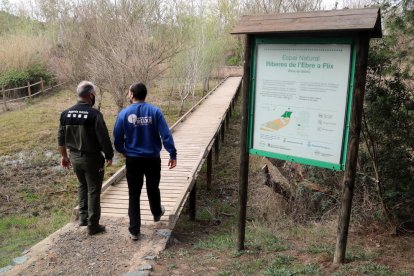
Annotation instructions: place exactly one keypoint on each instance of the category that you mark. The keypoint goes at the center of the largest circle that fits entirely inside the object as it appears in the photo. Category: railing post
(4, 98)
(29, 89)
(192, 205)
(42, 87)
(209, 165)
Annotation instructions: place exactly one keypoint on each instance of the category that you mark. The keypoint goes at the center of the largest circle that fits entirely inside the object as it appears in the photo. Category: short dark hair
(139, 91)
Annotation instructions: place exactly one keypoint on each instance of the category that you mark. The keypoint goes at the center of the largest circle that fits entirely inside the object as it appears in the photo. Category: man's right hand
(108, 162)
(172, 163)
(65, 162)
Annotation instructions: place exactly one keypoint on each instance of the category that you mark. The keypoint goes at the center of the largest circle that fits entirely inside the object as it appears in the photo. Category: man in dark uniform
(83, 131)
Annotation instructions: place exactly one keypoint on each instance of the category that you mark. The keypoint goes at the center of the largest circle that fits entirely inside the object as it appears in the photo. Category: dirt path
(70, 251)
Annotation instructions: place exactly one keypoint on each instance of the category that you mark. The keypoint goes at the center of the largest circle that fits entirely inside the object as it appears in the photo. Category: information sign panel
(300, 102)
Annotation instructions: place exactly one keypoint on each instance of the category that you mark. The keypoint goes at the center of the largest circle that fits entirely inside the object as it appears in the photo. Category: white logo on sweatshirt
(139, 121)
(132, 118)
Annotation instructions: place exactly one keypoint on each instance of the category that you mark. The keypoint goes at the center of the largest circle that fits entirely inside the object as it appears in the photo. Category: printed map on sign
(278, 123)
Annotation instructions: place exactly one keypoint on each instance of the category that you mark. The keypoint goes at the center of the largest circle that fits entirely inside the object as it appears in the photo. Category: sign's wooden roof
(347, 20)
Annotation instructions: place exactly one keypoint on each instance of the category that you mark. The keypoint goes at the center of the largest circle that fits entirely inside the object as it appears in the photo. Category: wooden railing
(29, 87)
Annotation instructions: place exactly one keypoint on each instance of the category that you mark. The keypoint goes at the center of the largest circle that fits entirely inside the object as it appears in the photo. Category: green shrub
(16, 78)
(38, 71)
(233, 61)
(387, 133)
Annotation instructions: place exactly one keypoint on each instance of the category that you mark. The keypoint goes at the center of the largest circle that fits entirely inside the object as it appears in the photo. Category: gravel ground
(71, 251)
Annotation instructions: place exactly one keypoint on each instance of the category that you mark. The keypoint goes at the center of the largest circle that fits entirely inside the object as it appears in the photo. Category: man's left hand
(108, 162)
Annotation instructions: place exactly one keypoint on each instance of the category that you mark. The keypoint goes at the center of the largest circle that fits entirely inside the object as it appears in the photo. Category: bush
(233, 61)
(16, 78)
(38, 71)
(386, 155)
(387, 134)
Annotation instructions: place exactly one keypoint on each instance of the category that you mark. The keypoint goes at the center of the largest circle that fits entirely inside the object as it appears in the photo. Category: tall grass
(19, 51)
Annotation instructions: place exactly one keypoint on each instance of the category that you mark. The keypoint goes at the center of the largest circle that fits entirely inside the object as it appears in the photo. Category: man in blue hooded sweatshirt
(138, 132)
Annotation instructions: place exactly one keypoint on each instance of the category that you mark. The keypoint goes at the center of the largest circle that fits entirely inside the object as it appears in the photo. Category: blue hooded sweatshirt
(139, 129)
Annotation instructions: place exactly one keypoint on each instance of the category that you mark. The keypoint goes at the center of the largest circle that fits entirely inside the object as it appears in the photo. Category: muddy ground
(71, 251)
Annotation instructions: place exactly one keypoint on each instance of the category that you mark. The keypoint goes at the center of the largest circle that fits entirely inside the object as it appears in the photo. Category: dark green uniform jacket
(83, 129)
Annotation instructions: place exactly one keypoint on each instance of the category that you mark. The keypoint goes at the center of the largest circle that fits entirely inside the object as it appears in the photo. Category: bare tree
(263, 6)
(188, 64)
(302, 5)
(128, 50)
(114, 43)
(353, 4)
(280, 6)
(204, 30)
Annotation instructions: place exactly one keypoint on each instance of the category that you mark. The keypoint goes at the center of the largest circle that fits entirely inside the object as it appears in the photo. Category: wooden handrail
(182, 118)
(17, 88)
(193, 174)
(42, 90)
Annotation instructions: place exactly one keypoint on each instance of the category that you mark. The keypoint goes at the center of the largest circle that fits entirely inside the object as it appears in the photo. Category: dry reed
(19, 51)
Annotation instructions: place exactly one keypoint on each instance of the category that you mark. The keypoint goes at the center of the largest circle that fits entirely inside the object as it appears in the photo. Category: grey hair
(84, 88)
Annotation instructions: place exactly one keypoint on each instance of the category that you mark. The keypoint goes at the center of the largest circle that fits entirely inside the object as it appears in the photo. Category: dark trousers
(136, 168)
(89, 168)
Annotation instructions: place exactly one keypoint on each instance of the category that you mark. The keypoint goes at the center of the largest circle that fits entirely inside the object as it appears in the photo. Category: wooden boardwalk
(194, 135)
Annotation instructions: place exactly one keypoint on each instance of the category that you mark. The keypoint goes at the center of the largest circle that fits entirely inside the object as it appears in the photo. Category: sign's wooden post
(362, 46)
(244, 154)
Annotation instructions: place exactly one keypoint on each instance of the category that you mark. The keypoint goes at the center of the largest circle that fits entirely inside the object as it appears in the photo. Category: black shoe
(158, 218)
(134, 237)
(83, 223)
(93, 230)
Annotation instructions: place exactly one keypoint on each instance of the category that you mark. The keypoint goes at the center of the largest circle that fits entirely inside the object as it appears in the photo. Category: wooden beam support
(192, 203)
(362, 46)
(227, 120)
(244, 155)
(216, 149)
(209, 169)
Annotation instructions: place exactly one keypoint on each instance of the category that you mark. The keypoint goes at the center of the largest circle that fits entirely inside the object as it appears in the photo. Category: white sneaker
(134, 237)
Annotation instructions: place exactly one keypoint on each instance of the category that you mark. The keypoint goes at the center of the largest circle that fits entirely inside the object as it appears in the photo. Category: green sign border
(306, 161)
